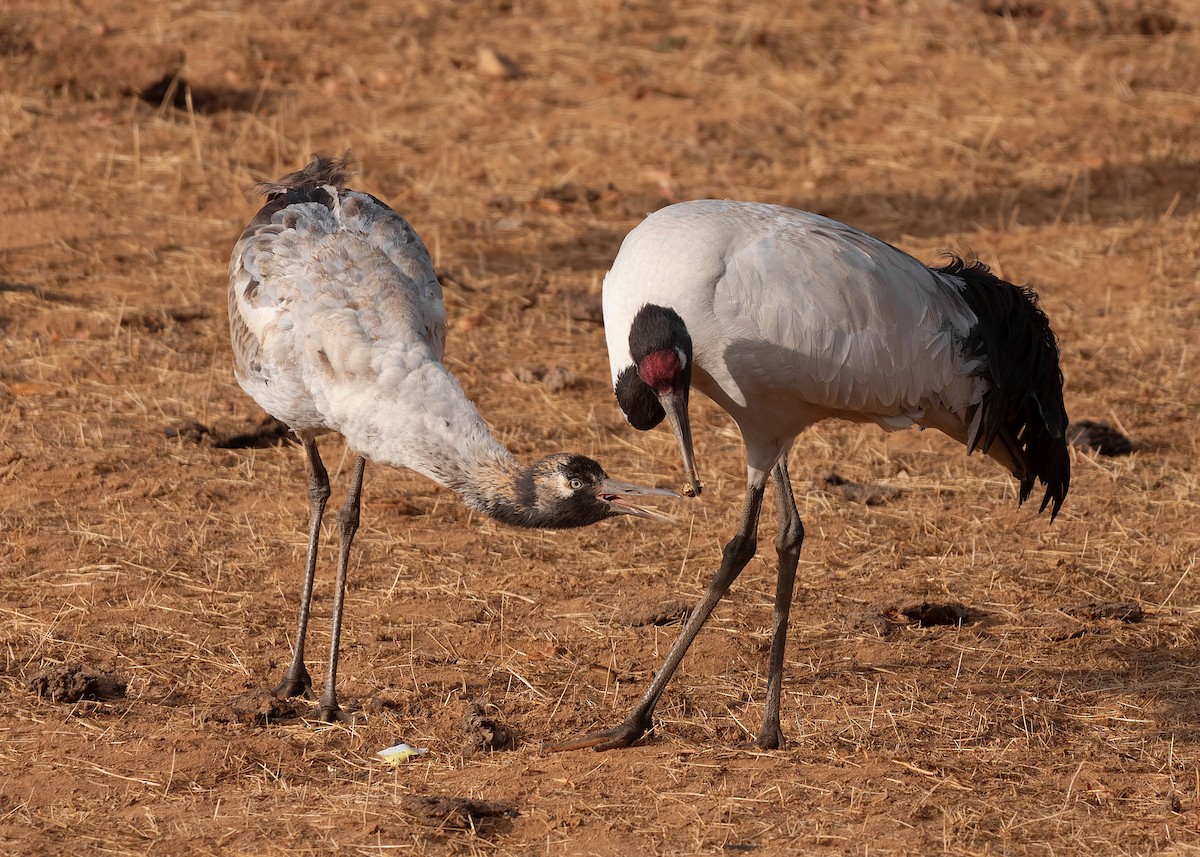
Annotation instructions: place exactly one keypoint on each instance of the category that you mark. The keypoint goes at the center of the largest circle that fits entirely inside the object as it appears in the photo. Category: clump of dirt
(667, 613)
(928, 614)
(258, 707)
(875, 622)
(868, 493)
(1100, 436)
(413, 709)
(161, 318)
(73, 682)
(885, 621)
(1122, 611)
(485, 732)
(462, 813)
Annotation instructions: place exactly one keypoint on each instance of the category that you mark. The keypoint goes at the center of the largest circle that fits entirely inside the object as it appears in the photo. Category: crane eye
(576, 484)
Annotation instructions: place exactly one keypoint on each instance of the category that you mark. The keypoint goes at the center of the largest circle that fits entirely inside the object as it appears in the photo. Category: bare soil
(962, 676)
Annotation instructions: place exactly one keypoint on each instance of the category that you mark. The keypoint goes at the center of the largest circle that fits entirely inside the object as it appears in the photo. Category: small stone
(493, 64)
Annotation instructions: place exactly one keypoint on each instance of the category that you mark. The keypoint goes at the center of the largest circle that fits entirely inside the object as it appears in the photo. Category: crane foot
(770, 738)
(333, 714)
(624, 735)
(293, 686)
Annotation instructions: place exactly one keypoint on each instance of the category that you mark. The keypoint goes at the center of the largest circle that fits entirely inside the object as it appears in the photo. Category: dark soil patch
(73, 682)
(455, 812)
(667, 613)
(259, 707)
(485, 732)
(1122, 611)
(928, 614)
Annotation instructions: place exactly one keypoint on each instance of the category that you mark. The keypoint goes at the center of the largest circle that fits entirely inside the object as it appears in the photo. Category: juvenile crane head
(659, 381)
(566, 490)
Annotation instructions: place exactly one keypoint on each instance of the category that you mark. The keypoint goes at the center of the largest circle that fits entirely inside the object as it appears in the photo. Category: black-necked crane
(337, 324)
(785, 318)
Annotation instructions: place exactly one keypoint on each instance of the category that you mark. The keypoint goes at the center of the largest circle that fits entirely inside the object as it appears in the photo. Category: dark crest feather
(310, 184)
(1020, 355)
(321, 170)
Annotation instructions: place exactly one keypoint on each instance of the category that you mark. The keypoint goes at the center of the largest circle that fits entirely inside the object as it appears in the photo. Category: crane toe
(626, 734)
(333, 714)
(770, 738)
(293, 686)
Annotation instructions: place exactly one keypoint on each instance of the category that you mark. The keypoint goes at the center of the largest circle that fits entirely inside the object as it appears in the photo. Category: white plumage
(869, 337)
(337, 325)
(785, 318)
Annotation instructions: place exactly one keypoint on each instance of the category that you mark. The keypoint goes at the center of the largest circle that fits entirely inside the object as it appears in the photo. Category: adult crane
(785, 318)
(337, 324)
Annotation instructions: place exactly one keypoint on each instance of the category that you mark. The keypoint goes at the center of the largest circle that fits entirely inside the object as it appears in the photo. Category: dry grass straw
(1060, 148)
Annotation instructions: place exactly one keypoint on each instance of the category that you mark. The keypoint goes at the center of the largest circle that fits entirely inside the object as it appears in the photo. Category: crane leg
(347, 522)
(787, 546)
(297, 682)
(738, 552)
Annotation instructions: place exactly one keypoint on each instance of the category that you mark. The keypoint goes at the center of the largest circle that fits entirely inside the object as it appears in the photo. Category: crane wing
(847, 321)
(326, 287)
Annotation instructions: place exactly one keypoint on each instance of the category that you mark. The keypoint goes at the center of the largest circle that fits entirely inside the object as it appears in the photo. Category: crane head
(659, 382)
(568, 490)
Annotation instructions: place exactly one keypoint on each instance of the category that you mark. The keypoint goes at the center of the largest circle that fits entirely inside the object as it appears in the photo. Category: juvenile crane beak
(675, 404)
(614, 492)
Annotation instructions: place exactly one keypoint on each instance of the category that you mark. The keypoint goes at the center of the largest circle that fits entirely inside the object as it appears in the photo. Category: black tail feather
(1019, 355)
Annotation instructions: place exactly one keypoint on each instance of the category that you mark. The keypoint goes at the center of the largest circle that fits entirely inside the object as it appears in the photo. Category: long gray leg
(738, 552)
(787, 546)
(297, 682)
(347, 522)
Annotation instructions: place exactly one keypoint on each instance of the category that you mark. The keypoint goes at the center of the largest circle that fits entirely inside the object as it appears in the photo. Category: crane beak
(675, 404)
(616, 494)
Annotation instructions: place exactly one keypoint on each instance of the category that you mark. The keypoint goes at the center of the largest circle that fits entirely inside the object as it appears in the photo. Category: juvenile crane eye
(576, 484)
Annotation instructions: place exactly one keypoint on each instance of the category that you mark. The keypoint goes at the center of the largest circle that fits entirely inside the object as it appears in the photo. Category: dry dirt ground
(153, 529)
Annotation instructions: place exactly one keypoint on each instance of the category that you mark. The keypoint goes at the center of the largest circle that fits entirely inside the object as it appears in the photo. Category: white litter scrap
(401, 753)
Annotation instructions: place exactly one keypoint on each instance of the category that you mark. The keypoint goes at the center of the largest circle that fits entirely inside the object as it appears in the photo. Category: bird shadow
(267, 433)
(1148, 670)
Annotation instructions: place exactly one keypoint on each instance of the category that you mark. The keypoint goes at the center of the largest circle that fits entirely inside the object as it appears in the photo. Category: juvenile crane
(785, 318)
(337, 324)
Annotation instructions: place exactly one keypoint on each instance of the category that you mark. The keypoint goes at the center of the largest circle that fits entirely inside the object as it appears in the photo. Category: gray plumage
(337, 325)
